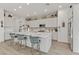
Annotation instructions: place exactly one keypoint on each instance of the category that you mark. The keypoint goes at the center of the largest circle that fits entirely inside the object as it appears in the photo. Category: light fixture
(60, 6)
(60, 12)
(28, 3)
(27, 15)
(34, 13)
(5, 8)
(14, 9)
(20, 6)
(45, 10)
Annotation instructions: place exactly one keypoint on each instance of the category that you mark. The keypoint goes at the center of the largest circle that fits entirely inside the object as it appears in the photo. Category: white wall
(12, 25)
(76, 28)
(8, 27)
(1, 28)
(63, 16)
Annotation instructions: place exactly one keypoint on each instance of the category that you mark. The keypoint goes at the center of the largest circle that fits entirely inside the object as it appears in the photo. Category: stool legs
(11, 42)
(38, 47)
(15, 42)
(20, 43)
(25, 43)
(32, 48)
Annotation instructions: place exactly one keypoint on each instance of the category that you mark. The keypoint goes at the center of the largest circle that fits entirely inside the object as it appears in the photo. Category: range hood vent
(10, 15)
(28, 19)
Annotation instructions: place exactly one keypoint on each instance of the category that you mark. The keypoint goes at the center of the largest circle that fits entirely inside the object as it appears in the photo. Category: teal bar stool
(22, 38)
(15, 38)
(35, 40)
(12, 35)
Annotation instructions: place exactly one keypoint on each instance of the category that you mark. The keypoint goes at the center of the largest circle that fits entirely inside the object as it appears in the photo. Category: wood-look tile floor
(57, 48)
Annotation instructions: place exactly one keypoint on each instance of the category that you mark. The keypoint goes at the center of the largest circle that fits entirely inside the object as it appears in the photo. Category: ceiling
(32, 9)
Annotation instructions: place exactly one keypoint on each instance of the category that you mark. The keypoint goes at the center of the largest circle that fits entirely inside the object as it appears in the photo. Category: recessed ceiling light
(5, 8)
(45, 10)
(60, 6)
(14, 9)
(28, 15)
(28, 3)
(34, 13)
(20, 6)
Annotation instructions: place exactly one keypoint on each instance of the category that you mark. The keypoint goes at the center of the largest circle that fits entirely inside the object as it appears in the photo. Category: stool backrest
(25, 37)
(12, 35)
(20, 36)
(34, 39)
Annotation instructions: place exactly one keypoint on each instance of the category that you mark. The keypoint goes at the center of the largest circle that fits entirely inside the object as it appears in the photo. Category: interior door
(62, 24)
(76, 28)
(1, 25)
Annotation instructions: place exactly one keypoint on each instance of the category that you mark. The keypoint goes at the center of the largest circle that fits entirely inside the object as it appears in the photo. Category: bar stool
(20, 38)
(35, 40)
(15, 40)
(12, 37)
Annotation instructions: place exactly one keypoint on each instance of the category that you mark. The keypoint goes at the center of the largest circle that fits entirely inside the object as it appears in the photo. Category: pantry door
(62, 24)
(76, 28)
(1, 25)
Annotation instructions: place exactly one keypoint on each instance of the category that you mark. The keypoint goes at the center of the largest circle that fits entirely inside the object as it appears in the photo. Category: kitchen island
(45, 38)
